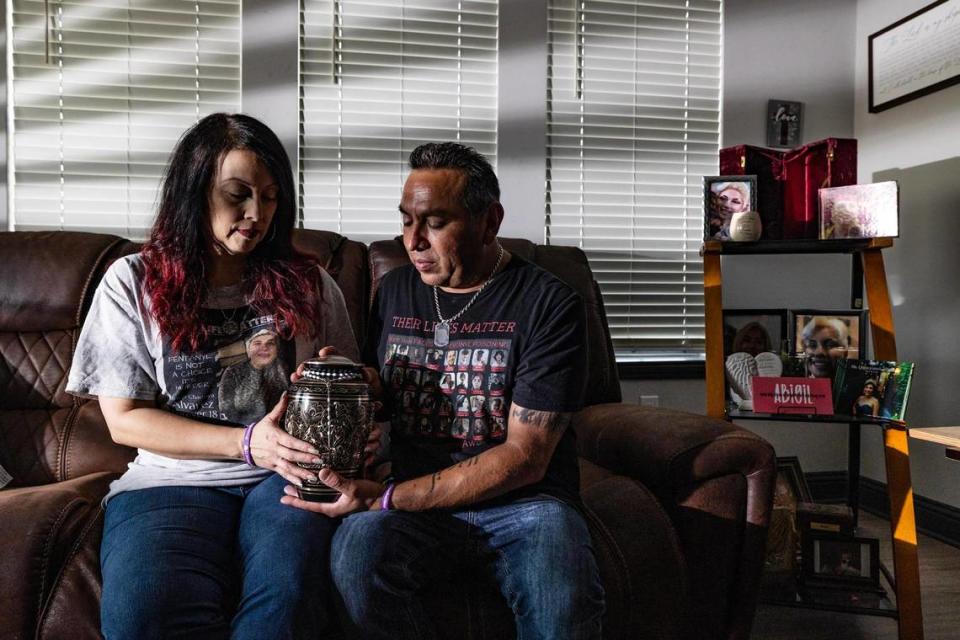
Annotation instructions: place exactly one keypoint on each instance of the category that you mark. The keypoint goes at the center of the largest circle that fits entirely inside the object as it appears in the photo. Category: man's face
(262, 350)
(822, 349)
(444, 241)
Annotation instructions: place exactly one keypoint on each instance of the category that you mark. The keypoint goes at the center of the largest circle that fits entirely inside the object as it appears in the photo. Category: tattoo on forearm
(549, 420)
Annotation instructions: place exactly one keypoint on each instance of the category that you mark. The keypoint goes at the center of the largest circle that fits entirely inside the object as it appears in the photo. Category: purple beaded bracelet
(247, 456)
(386, 503)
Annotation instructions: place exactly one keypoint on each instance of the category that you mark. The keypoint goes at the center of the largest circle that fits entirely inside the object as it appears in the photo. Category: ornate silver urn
(330, 407)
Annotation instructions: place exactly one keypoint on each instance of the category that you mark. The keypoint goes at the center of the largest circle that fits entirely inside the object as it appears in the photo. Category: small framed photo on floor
(840, 561)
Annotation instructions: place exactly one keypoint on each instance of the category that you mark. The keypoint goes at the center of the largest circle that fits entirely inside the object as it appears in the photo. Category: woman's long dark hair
(278, 279)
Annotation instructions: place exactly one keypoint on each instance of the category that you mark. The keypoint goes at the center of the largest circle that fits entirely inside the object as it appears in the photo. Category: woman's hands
(273, 448)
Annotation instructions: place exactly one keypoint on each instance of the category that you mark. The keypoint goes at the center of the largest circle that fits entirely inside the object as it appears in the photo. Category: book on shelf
(872, 388)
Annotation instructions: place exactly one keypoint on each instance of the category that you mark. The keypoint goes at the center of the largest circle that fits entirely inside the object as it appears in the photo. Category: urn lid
(332, 368)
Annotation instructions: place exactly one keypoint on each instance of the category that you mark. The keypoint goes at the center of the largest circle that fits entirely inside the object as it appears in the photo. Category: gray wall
(916, 143)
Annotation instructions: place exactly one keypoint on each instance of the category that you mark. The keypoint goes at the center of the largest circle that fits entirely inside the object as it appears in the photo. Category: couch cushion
(346, 261)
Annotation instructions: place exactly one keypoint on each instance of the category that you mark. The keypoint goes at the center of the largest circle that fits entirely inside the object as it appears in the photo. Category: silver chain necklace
(441, 331)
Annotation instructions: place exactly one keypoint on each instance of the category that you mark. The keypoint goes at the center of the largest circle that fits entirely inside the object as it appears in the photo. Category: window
(377, 79)
(102, 90)
(633, 121)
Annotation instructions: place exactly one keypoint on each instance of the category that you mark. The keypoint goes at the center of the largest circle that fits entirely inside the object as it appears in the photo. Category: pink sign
(811, 396)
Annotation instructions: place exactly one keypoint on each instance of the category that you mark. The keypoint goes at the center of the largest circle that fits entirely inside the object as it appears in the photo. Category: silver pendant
(230, 327)
(441, 334)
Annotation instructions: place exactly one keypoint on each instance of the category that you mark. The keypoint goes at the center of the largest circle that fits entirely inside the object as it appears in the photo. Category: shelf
(736, 414)
(827, 599)
(793, 246)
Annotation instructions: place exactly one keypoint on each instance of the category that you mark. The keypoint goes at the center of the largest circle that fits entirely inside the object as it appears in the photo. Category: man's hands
(355, 495)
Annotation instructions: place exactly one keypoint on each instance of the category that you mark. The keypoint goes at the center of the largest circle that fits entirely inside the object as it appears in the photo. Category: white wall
(919, 143)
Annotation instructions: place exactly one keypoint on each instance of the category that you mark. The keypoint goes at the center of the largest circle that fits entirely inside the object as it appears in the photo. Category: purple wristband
(247, 457)
(386, 503)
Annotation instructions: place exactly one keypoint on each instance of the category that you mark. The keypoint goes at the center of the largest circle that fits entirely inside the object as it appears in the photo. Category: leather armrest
(715, 482)
(666, 450)
(38, 527)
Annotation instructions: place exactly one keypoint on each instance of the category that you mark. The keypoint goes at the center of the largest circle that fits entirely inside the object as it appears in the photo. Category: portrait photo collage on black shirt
(455, 391)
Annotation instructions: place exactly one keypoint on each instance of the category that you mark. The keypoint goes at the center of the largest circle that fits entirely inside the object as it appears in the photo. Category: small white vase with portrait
(745, 226)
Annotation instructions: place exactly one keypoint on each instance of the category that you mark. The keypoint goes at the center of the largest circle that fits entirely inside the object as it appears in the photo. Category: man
(466, 493)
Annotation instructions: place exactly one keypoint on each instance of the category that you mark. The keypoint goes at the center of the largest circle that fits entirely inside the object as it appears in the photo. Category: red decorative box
(788, 181)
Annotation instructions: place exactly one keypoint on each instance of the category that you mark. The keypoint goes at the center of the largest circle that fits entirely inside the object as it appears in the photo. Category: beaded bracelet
(386, 503)
(247, 456)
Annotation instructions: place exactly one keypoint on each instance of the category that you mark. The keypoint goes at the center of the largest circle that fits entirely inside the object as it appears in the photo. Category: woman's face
(262, 350)
(868, 390)
(731, 201)
(242, 203)
(753, 341)
(822, 348)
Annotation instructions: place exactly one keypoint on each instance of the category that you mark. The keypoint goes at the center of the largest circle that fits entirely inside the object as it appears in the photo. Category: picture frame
(784, 123)
(754, 330)
(790, 483)
(840, 561)
(843, 332)
(860, 211)
(724, 196)
(914, 56)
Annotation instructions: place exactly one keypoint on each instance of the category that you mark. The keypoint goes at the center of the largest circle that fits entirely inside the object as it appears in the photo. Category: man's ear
(492, 220)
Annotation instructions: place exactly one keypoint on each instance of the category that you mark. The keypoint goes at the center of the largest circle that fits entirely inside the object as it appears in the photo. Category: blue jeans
(539, 551)
(199, 562)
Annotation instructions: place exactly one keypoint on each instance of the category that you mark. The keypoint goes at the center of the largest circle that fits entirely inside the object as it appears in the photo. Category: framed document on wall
(915, 56)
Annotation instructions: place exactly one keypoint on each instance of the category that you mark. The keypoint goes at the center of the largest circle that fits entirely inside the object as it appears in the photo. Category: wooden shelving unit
(896, 450)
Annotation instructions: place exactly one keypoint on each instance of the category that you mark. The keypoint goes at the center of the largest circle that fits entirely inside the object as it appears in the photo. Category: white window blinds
(377, 79)
(102, 90)
(633, 121)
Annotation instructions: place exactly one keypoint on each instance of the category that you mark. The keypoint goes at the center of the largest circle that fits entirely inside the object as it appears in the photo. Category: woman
(867, 404)
(728, 198)
(752, 338)
(196, 542)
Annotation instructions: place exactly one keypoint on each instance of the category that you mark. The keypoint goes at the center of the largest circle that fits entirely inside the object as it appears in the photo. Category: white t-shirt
(234, 378)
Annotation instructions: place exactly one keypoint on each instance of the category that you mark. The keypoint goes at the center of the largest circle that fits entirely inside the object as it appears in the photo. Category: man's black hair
(481, 188)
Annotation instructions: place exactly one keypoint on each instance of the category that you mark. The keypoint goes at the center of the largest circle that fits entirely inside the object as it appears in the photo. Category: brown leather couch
(678, 503)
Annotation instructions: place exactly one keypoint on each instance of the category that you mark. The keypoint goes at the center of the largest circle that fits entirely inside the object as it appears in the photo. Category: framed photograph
(791, 488)
(840, 560)
(872, 389)
(914, 56)
(860, 211)
(823, 338)
(784, 123)
(753, 331)
(724, 196)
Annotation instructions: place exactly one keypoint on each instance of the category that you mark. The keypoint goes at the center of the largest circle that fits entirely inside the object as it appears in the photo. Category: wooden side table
(949, 437)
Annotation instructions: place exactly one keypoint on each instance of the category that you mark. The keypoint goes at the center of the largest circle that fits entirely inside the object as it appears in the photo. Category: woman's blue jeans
(539, 551)
(199, 562)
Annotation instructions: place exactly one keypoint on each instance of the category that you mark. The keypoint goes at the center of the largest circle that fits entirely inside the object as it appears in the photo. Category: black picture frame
(713, 186)
(928, 41)
(840, 561)
(790, 476)
(849, 326)
(738, 322)
(784, 123)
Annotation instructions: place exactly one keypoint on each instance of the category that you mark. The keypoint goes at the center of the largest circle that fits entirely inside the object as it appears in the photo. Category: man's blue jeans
(213, 563)
(539, 551)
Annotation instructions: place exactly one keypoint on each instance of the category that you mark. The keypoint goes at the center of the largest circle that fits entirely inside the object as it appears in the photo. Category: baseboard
(935, 519)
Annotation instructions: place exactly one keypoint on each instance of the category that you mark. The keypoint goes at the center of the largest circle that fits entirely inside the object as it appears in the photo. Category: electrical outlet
(650, 400)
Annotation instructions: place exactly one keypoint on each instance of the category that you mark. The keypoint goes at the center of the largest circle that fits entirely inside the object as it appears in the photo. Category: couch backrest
(46, 286)
(567, 263)
(47, 282)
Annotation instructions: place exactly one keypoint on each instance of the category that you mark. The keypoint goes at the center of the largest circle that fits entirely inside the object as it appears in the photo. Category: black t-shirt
(522, 341)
